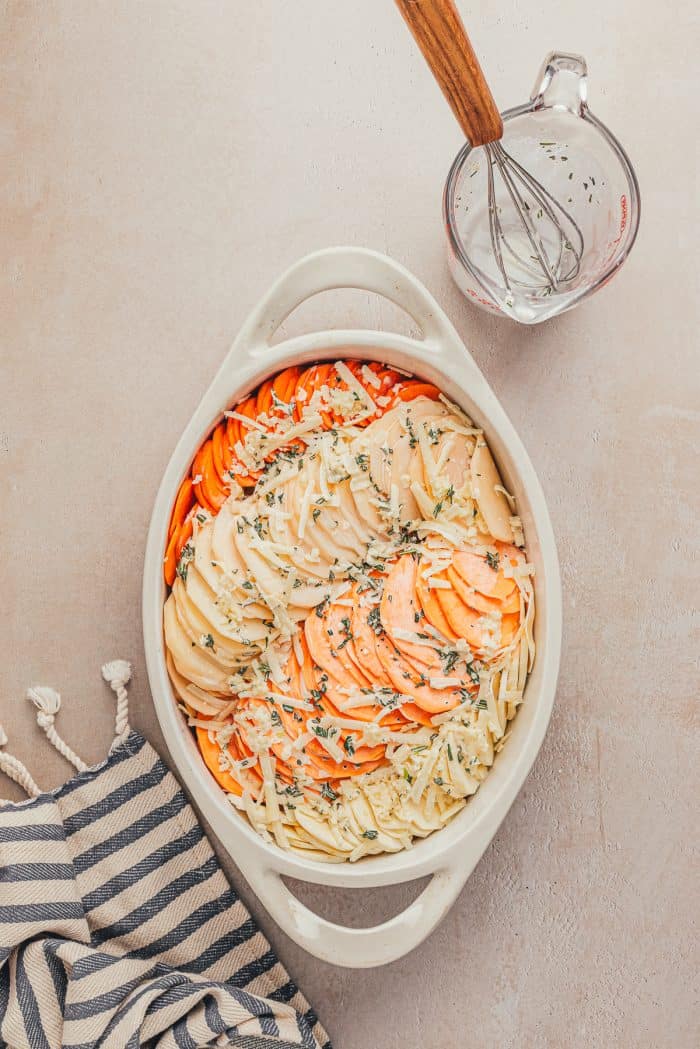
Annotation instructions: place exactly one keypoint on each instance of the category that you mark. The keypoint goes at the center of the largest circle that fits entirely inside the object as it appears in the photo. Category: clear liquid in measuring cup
(572, 158)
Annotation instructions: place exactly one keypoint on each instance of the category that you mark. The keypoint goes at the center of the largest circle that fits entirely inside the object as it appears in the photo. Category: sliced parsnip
(191, 660)
(492, 504)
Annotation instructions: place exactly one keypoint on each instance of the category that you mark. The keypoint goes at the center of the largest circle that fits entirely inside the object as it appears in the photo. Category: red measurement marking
(484, 302)
(612, 244)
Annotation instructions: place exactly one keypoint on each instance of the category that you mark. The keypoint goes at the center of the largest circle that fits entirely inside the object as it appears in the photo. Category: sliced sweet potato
(210, 751)
(183, 504)
(431, 607)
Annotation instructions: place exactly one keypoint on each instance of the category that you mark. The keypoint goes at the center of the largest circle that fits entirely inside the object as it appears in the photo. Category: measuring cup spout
(562, 83)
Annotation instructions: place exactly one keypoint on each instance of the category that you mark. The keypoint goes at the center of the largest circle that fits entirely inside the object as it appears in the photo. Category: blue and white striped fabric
(118, 928)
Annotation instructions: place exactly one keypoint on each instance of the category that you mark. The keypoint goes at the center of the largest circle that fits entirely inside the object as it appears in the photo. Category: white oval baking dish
(451, 854)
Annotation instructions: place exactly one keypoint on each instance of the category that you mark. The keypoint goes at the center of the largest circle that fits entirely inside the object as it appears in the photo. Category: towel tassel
(117, 674)
(48, 703)
(16, 771)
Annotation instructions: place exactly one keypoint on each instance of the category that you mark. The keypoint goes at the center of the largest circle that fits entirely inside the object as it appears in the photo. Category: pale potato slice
(199, 636)
(234, 650)
(348, 508)
(314, 538)
(493, 505)
(400, 473)
(232, 576)
(309, 595)
(456, 451)
(266, 576)
(235, 624)
(190, 661)
(223, 548)
(338, 532)
(364, 499)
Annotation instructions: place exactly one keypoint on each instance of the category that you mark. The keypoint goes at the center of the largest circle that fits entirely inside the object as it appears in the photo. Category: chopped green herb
(374, 620)
(449, 657)
(473, 673)
(186, 557)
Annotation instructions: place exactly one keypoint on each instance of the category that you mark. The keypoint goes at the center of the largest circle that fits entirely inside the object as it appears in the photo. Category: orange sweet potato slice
(400, 612)
(210, 487)
(465, 621)
(183, 504)
(431, 607)
(476, 571)
(408, 391)
(210, 751)
(478, 601)
(405, 679)
(263, 400)
(170, 560)
(221, 452)
(326, 636)
(413, 713)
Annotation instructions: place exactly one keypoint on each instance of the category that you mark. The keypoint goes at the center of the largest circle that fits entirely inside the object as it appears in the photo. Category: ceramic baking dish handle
(360, 948)
(341, 268)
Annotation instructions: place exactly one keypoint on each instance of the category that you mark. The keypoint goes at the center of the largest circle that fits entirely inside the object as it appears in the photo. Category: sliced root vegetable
(327, 635)
(170, 560)
(284, 386)
(185, 534)
(183, 504)
(479, 574)
(311, 380)
(222, 454)
(509, 628)
(465, 621)
(432, 609)
(401, 614)
(413, 388)
(478, 601)
(323, 767)
(204, 481)
(366, 624)
(415, 714)
(493, 504)
(263, 400)
(211, 752)
(405, 679)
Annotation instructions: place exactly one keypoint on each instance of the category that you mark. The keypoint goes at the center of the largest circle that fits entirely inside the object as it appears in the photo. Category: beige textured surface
(161, 163)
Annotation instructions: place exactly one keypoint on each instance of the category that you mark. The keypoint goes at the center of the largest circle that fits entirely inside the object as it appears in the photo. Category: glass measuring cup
(580, 162)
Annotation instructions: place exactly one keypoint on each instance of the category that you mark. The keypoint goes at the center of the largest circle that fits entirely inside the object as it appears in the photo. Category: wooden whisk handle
(442, 38)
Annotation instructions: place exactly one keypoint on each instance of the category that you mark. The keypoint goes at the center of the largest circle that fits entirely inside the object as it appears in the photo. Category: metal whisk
(536, 243)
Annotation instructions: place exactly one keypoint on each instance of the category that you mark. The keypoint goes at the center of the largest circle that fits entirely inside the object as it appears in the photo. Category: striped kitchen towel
(117, 926)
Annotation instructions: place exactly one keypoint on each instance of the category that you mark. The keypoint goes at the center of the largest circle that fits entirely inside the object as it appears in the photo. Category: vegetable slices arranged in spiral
(349, 622)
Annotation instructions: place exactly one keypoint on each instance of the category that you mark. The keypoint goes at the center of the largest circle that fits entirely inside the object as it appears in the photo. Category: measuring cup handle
(562, 81)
